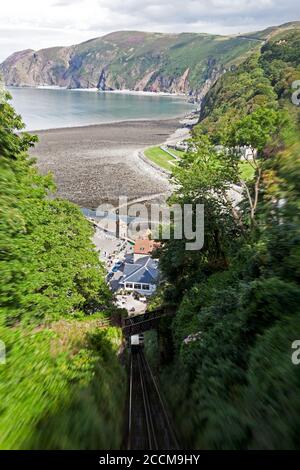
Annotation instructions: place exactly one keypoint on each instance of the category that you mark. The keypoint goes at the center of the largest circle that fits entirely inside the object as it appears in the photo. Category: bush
(62, 387)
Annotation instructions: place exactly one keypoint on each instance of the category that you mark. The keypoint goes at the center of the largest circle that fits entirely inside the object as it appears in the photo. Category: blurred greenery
(62, 386)
(231, 382)
(246, 171)
(48, 265)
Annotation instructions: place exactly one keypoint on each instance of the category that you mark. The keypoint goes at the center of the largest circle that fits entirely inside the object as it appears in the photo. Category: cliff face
(177, 63)
(30, 68)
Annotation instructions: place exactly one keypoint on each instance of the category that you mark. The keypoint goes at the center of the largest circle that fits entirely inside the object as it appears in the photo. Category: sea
(51, 108)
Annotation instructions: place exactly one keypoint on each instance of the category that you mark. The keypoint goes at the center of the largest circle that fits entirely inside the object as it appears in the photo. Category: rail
(149, 424)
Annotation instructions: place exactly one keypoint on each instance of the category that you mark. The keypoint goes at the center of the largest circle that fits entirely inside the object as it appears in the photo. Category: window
(128, 286)
(146, 287)
(137, 286)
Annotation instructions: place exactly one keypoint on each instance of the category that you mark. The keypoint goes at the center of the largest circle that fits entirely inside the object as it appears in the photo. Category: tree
(254, 131)
(48, 265)
(232, 382)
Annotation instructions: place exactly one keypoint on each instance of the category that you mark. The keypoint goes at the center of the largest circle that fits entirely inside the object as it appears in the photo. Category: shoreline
(98, 163)
(96, 90)
(115, 122)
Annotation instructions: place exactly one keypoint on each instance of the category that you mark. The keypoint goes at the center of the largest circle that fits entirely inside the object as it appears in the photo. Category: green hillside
(176, 63)
(134, 60)
(227, 358)
(61, 386)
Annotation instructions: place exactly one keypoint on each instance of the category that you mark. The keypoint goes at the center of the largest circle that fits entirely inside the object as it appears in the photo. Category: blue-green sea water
(43, 108)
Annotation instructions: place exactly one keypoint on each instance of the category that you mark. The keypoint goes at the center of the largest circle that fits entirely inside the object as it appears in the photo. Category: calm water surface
(52, 108)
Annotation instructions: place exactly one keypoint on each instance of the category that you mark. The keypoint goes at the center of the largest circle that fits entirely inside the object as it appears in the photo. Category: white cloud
(36, 24)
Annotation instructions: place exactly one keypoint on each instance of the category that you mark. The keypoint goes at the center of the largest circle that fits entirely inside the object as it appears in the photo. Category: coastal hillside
(178, 63)
(228, 367)
(61, 383)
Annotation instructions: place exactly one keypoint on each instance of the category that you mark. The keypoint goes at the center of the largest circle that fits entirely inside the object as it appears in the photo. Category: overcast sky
(44, 23)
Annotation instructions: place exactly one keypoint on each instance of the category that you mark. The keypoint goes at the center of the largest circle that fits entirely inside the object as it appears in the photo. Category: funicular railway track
(149, 424)
(136, 324)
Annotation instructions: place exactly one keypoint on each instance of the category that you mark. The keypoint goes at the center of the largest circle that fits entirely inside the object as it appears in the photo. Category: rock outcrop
(175, 63)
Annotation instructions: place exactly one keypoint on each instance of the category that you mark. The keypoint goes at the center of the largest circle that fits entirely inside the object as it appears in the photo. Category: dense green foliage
(232, 382)
(48, 265)
(62, 385)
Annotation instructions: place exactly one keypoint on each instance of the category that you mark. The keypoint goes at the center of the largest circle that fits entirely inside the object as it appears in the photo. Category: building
(144, 247)
(141, 276)
(245, 153)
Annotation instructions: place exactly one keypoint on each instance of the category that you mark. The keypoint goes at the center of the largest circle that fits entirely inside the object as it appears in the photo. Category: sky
(36, 24)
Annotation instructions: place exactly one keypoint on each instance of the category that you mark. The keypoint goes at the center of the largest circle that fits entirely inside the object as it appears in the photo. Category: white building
(141, 276)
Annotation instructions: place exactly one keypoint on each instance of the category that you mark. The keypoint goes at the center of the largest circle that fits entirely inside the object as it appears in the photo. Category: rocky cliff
(178, 63)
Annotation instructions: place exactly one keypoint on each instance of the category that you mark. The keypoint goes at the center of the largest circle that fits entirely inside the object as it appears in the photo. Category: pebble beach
(96, 164)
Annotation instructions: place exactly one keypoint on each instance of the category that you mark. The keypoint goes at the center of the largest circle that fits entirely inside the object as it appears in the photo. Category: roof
(145, 246)
(144, 271)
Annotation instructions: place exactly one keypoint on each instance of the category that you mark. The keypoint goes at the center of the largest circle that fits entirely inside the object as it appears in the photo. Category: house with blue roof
(141, 276)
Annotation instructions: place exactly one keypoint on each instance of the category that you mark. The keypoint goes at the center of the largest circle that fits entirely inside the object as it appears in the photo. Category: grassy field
(160, 157)
(166, 161)
(178, 153)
